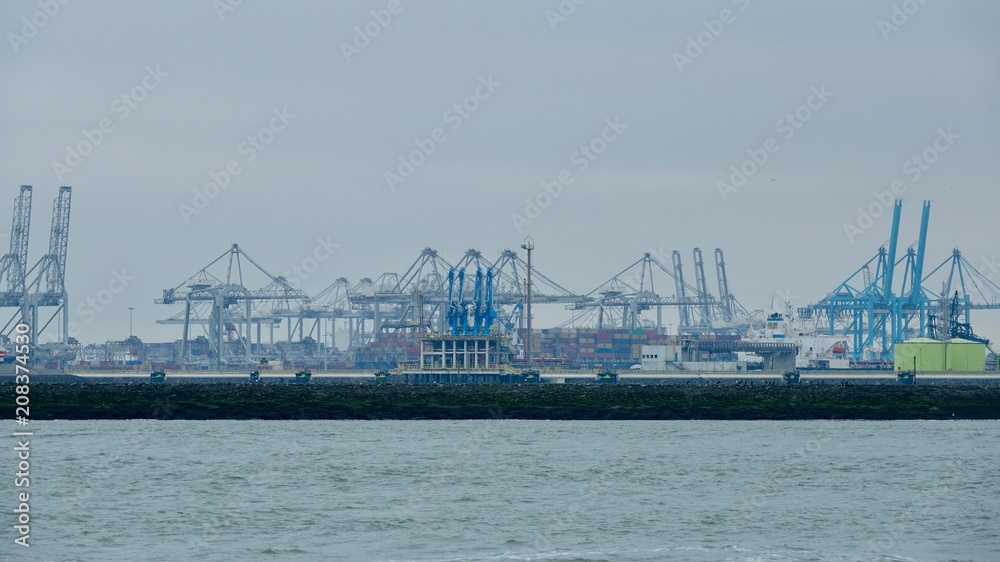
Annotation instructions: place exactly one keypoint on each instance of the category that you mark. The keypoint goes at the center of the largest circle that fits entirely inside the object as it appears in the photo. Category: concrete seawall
(203, 401)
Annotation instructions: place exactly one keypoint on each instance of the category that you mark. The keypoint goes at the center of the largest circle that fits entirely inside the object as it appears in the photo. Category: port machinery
(218, 299)
(890, 299)
(420, 299)
(472, 297)
(423, 298)
(43, 286)
(483, 313)
(620, 301)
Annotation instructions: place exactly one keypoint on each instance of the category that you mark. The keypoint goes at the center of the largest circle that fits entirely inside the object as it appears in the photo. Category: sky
(356, 134)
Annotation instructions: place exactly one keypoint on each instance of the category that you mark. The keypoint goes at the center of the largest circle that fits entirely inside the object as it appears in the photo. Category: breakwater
(203, 401)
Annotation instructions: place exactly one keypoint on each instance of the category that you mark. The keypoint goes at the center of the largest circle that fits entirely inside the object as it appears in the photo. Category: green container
(965, 355)
(922, 355)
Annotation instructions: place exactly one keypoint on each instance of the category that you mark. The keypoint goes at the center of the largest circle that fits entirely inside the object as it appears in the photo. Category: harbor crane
(222, 303)
(867, 308)
(14, 264)
(47, 287)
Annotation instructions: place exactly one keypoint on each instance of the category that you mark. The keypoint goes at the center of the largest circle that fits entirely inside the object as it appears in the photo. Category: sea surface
(500, 490)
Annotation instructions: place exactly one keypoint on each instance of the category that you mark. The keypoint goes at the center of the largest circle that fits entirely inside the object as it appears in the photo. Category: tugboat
(531, 376)
(607, 376)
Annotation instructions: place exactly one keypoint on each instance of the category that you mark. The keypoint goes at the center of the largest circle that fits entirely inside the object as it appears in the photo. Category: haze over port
(305, 118)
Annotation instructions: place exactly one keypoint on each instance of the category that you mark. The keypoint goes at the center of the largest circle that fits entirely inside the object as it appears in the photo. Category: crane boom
(684, 311)
(720, 273)
(14, 264)
(700, 284)
(48, 286)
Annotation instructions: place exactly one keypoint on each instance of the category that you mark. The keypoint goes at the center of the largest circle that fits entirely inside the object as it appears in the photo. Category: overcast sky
(641, 107)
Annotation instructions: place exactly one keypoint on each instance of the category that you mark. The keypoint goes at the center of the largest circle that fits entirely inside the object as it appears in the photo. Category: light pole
(529, 245)
(130, 309)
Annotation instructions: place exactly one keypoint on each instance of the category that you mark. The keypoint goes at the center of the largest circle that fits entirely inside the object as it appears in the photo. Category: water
(511, 490)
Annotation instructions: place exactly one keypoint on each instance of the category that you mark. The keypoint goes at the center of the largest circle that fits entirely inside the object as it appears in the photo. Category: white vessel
(816, 351)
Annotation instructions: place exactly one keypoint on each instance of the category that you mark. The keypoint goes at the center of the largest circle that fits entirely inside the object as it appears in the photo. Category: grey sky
(655, 185)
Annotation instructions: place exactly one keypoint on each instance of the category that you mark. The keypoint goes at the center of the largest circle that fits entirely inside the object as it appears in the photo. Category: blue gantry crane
(865, 307)
(478, 310)
(868, 311)
(490, 314)
(483, 312)
(463, 314)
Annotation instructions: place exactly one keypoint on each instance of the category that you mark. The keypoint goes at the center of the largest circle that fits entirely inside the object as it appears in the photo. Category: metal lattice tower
(867, 308)
(418, 299)
(701, 285)
(48, 286)
(684, 311)
(725, 298)
(338, 300)
(620, 301)
(223, 305)
(14, 265)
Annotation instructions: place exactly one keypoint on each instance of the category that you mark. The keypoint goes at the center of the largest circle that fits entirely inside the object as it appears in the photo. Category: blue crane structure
(463, 315)
(452, 314)
(490, 313)
(867, 309)
(483, 311)
(478, 310)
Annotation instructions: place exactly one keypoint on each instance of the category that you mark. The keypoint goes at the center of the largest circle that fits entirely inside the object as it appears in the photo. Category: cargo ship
(816, 351)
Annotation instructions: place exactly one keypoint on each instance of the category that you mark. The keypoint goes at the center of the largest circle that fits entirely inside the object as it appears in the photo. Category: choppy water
(511, 490)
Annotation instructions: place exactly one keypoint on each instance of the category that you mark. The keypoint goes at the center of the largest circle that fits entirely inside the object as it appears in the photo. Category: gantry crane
(14, 264)
(224, 304)
(48, 286)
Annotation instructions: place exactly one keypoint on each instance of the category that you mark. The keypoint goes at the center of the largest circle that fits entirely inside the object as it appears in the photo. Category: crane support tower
(14, 264)
(47, 287)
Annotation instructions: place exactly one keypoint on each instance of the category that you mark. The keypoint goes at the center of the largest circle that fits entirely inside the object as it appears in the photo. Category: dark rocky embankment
(201, 401)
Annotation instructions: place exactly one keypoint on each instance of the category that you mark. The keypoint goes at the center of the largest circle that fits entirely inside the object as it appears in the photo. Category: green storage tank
(966, 355)
(924, 354)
